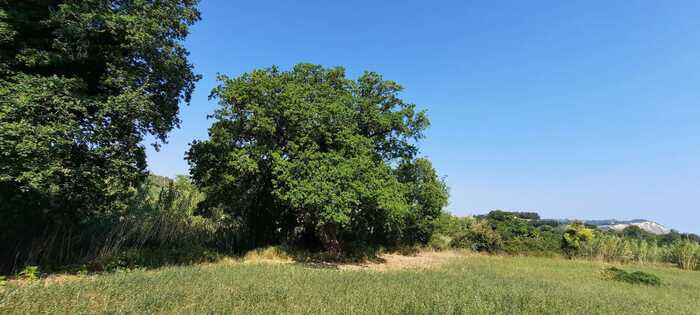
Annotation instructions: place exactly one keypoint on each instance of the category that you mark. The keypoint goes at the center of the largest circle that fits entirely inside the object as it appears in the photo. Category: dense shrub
(635, 232)
(645, 251)
(544, 244)
(519, 233)
(575, 236)
(685, 253)
(607, 247)
(479, 237)
(155, 256)
(636, 277)
(451, 225)
(29, 273)
(512, 225)
(161, 225)
(439, 241)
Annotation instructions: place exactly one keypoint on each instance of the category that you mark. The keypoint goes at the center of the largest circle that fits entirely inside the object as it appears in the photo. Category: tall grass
(614, 248)
(685, 253)
(160, 214)
(161, 227)
(160, 217)
(477, 284)
(645, 252)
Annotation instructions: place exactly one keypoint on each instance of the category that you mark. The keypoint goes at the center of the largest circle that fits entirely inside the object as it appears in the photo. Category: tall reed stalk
(685, 253)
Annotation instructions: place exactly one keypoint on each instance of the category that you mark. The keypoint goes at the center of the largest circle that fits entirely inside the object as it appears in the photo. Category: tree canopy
(81, 84)
(312, 157)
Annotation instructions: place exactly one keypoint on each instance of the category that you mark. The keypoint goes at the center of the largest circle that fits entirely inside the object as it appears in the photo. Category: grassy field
(452, 285)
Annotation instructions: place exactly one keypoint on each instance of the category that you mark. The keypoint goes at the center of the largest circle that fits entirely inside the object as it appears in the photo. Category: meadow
(453, 284)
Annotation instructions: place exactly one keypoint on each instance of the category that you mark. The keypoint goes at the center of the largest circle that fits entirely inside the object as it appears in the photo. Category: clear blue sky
(585, 109)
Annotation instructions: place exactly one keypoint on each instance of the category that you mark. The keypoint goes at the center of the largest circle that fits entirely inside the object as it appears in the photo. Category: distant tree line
(514, 233)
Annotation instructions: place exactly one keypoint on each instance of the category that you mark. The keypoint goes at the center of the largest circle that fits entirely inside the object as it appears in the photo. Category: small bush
(479, 237)
(267, 253)
(30, 273)
(439, 242)
(3, 281)
(575, 237)
(82, 271)
(637, 277)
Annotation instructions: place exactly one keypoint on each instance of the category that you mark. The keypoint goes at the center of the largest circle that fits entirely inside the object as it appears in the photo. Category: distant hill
(649, 226)
(619, 225)
(605, 225)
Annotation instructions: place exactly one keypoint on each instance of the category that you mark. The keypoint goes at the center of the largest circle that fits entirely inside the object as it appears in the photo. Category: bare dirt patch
(421, 260)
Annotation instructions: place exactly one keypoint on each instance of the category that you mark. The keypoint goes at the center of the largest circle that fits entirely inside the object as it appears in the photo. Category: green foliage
(479, 237)
(530, 216)
(544, 244)
(575, 236)
(163, 213)
(82, 271)
(614, 247)
(427, 195)
(134, 258)
(82, 83)
(635, 232)
(685, 253)
(645, 251)
(29, 273)
(310, 157)
(524, 232)
(511, 234)
(636, 277)
(451, 225)
(512, 225)
(439, 242)
(609, 247)
(3, 281)
(161, 228)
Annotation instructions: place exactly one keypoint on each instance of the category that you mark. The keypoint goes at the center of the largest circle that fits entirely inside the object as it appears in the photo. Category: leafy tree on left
(81, 84)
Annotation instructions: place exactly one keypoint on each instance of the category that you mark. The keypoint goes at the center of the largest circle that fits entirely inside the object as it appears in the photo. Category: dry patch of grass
(51, 280)
(424, 259)
(64, 278)
(270, 255)
(421, 260)
(395, 261)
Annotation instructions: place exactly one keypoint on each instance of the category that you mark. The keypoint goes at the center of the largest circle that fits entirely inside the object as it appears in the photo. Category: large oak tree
(311, 157)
